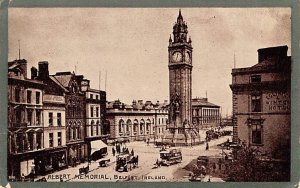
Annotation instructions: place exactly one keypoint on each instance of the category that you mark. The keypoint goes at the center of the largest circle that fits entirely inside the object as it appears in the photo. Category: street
(145, 171)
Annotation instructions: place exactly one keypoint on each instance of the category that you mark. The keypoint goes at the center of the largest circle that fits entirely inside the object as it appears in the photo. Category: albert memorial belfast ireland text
(149, 95)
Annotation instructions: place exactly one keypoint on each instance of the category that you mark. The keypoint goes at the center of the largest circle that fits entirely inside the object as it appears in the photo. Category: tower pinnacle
(180, 29)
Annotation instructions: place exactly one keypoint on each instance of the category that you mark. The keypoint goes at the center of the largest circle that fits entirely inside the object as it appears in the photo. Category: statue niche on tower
(175, 105)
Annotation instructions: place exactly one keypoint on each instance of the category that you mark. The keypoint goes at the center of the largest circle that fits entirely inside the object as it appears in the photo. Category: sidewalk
(72, 172)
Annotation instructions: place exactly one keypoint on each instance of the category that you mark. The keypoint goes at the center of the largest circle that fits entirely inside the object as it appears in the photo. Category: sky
(131, 46)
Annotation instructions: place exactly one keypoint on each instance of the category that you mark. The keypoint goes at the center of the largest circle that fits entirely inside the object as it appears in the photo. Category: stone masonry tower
(180, 84)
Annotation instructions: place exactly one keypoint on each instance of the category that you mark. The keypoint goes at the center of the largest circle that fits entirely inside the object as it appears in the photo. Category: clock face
(187, 56)
(177, 56)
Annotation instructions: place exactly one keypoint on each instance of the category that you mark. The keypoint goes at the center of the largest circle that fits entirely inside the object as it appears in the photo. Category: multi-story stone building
(205, 114)
(95, 118)
(54, 107)
(261, 102)
(138, 121)
(75, 116)
(25, 125)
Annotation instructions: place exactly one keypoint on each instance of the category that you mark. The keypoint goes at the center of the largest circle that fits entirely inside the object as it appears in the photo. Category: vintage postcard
(149, 94)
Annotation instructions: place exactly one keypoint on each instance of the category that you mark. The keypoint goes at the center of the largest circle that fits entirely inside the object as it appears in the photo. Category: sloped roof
(58, 83)
(202, 102)
(64, 80)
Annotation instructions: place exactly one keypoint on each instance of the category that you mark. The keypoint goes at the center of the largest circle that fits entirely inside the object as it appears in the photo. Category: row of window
(58, 119)
(92, 96)
(206, 112)
(92, 111)
(74, 133)
(51, 138)
(28, 96)
(135, 127)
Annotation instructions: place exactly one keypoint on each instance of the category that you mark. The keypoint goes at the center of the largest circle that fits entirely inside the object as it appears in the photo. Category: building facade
(138, 121)
(54, 108)
(96, 133)
(77, 150)
(205, 114)
(261, 102)
(25, 125)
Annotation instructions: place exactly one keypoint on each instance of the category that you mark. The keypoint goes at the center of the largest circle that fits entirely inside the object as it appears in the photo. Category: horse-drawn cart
(126, 162)
(104, 162)
(84, 170)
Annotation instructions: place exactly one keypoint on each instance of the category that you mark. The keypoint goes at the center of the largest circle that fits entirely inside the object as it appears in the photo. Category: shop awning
(97, 145)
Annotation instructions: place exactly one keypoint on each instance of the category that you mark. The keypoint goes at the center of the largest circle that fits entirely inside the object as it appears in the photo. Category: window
(50, 119)
(78, 133)
(38, 117)
(97, 111)
(256, 103)
(29, 117)
(257, 134)
(59, 138)
(91, 96)
(97, 127)
(92, 111)
(58, 119)
(97, 97)
(255, 78)
(74, 133)
(158, 121)
(29, 96)
(17, 95)
(120, 127)
(50, 139)
(37, 96)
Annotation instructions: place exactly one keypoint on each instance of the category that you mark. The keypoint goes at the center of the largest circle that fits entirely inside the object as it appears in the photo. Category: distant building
(138, 121)
(25, 125)
(205, 114)
(261, 102)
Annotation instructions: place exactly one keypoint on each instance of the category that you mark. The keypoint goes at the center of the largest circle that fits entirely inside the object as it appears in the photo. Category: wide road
(147, 157)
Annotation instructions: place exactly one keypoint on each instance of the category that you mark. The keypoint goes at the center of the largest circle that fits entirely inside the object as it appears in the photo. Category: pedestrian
(132, 152)
(220, 164)
(157, 163)
(148, 141)
(214, 167)
(113, 151)
(118, 148)
(137, 160)
(207, 146)
(23, 177)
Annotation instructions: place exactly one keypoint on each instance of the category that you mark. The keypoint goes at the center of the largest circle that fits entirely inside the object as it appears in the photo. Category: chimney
(23, 66)
(272, 53)
(34, 73)
(43, 70)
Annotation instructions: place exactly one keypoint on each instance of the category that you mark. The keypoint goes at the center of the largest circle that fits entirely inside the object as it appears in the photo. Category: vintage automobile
(170, 156)
(126, 162)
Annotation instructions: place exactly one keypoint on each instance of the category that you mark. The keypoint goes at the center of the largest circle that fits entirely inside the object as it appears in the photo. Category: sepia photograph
(149, 94)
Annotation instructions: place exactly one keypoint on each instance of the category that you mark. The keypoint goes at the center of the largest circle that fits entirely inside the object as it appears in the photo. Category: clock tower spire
(180, 85)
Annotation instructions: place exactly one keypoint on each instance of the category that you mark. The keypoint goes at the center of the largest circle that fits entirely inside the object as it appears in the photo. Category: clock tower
(180, 85)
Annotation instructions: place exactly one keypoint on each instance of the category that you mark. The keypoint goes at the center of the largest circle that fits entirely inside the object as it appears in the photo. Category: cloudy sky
(132, 45)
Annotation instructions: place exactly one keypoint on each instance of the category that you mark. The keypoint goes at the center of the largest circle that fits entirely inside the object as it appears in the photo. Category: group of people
(118, 148)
